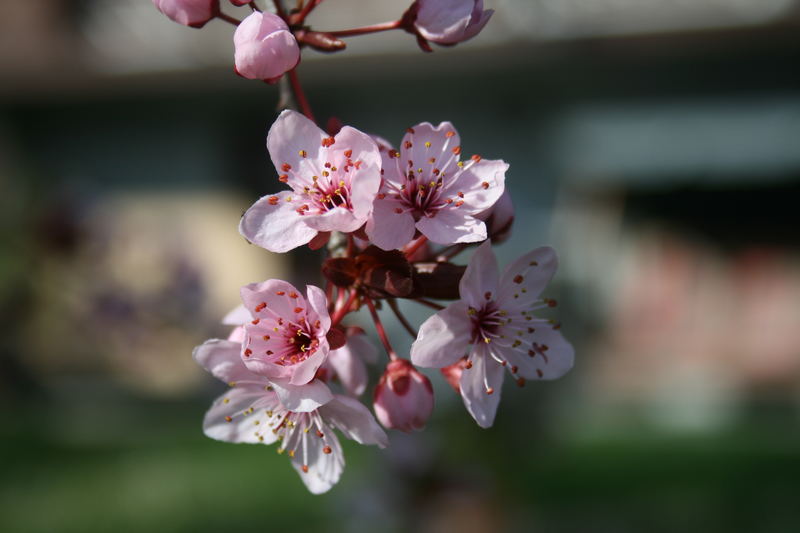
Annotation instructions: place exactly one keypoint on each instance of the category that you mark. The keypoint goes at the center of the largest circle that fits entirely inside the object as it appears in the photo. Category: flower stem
(384, 26)
(429, 303)
(308, 8)
(299, 95)
(409, 328)
(379, 328)
(451, 251)
(342, 311)
(229, 19)
(279, 9)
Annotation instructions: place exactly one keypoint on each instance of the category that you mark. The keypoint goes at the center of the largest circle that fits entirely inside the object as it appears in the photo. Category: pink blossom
(499, 218)
(450, 21)
(404, 397)
(427, 188)
(347, 364)
(264, 47)
(493, 323)
(252, 412)
(194, 13)
(333, 183)
(284, 338)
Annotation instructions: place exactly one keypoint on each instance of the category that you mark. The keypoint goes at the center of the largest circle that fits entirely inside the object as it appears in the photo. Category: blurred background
(654, 143)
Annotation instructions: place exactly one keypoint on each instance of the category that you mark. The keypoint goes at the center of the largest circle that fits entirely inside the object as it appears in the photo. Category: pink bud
(404, 397)
(264, 47)
(194, 13)
(450, 21)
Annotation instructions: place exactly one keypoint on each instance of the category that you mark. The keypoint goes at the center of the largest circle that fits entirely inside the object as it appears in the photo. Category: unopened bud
(404, 397)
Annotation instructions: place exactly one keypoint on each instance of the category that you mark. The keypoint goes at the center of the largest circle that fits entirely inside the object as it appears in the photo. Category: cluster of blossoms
(391, 219)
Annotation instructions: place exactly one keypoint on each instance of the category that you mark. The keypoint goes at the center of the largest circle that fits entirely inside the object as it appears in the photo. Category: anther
(427, 144)
(326, 449)
(302, 153)
(485, 184)
(476, 158)
(457, 150)
(490, 390)
(273, 200)
(248, 352)
(255, 321)
(260, 306)
(348, 153)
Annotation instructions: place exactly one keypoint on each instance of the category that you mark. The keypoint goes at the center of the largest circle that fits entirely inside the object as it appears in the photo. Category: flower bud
(404, 397)
(264, 47)
(450, 21)
(194, 13)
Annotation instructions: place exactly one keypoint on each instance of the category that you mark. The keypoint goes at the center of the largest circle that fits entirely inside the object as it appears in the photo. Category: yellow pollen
(232, 384)
(226, 400)
(427, 144)
(461, 163)
(341, 183)
(302, 153)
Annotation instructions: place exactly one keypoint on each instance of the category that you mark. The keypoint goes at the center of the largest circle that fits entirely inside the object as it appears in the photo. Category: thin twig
(409, 328)
(299, 95)
(379, 328)
(429, 303)
(384, 26)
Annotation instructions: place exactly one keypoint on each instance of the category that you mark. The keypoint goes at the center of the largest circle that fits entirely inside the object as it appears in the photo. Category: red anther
(283, 178)
(459, 203)
(266, 337)
(460, 194)
(457, 150)
(298, 309)
(504, 363)
(228, 419)
(273, 200)
(248, 352)
(293, 294)
(449, 200)
(520, 382)
(449, 134)
(531, 330)
(269, 352)
(327, 164)
(286, 167)
(381, 196)
(539, 372)
(436, 171)
(476, 158)
(487, 295)
(514, 369)
(348, 154)
(280, 293)
(394, 153)
(410, 130)
(328, 141)
(398, 210)
(305, 469)
(490, 390)
(531, 353)
(326, 449)
(260, 306)
(485, 184)
(407, 145)
(357, 164)
(518, 278)
(468, 365)
(255, 321)
(320, 434)
(552, 303)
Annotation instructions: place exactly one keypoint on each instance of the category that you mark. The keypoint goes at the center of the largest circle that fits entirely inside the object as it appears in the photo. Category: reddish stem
(299, 95)
(253, 6)
(229, 19)
(416, 246)
(409, 328)
(308, 8)
(342, 311)
(451, 251)
(379, 328)
(279, 9)
(429, 303)
(384, 26)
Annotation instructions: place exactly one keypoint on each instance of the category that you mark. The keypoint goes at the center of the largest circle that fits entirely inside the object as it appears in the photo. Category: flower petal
(349, 368)
(474, 381)
(531, 272)
(321, 470)
(305, 371)
(452, 226)
(354, 421)
(302, 398)
(231, 419)
(443, 338)
(388, 229)
(272, 223)
(558, 356)
(222, 360)
(318, 303)
(481, 183)
(427, 147)
(479, 282)
(295, 140)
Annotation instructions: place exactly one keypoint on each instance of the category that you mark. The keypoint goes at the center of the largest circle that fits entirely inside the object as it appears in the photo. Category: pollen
(266, 337)
(302, 153)
(273, 200)
(328, 141)
(248, 352)
(518, 278)
(280, 293)
(348, 153)
(260, 306)
(427, 144)
(326, 449)
(476, 158)
(457, 150)
(226, 400)
(305, 469)
(293, 294)
(533, 263)
(539, 372)
(407, 145)
(283, 178)
(255, 321)
(489, 390)
(228, 419)
(485, 184)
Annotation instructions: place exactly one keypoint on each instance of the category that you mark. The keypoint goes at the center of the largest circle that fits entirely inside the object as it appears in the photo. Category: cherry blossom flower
(404, 397)
(194, 13)
(427, 188)
(494, 326)
(251, 412)
(264, 48)
(284, 337)
(334, 181)
(347, 364)
(450, 21)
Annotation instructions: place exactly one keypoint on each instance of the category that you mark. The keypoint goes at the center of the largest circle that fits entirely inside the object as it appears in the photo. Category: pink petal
(451, 226)
(388, 229)
(365, 180)
(305, 371)
(323, 469)
(532, 272)
(222, 359)
(302, 398)
(479, 282)
(295, 140)
(230, 420)
(337, 219)
(443, 338)
(280, 297)
(362, 348)
(318, 303)
(444, 21)
(273, 223)
(480, 404)
(349, 368)
(354, 421)
(429, 148)
(559, 356)
(481, 183)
